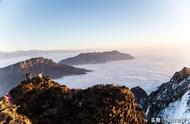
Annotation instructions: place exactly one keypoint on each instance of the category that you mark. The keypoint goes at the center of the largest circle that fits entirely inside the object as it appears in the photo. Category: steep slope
(42, 100)
(96, 58)
(171, 97)
(178, 110)
(11, 75)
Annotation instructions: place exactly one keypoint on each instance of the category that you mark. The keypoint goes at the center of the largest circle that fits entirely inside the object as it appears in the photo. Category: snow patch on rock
(177, 110)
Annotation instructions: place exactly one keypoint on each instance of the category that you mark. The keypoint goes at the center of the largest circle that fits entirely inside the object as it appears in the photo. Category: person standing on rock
(28, 76)
(40, 75)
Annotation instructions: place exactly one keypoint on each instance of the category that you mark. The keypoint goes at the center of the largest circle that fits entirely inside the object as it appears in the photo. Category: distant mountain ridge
(15, 73)
(33, 53)
(96, 58)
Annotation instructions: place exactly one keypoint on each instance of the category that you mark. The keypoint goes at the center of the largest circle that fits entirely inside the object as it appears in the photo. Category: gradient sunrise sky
(91, 24)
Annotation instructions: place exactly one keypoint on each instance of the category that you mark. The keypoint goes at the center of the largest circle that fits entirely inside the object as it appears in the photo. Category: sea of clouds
(146, 70)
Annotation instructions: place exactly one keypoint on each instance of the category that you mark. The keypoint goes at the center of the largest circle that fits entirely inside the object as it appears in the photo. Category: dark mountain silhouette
(96, 58)
(11, 75)
(43, 101)
(141, 96)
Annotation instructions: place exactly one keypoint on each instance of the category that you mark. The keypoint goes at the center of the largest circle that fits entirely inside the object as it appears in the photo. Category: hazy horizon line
(134, 46)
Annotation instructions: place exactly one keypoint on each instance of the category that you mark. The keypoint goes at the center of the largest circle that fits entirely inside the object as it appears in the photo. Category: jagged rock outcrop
(42, 100)
(141, 97)
(9, 115)
(13, 74)
(96, 58)
(164, 102)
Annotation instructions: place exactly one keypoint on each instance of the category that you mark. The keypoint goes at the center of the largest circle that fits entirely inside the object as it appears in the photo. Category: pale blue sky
(86, 24)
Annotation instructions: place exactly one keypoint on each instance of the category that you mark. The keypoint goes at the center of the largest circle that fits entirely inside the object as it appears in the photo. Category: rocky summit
(40, 100)
(171, 101)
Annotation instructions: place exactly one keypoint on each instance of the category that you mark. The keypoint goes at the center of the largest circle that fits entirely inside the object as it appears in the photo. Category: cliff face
(41, 100)
(171, 97)
(13, 74)
(96, 58)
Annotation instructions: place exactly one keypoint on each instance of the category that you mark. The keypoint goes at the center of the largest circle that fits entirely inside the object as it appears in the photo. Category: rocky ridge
(168, 94)
(8, 113)
(41, 100)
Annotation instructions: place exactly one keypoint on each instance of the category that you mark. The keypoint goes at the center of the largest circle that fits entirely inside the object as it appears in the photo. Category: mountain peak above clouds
(96, 58)
(12, 74)
(165, 101)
